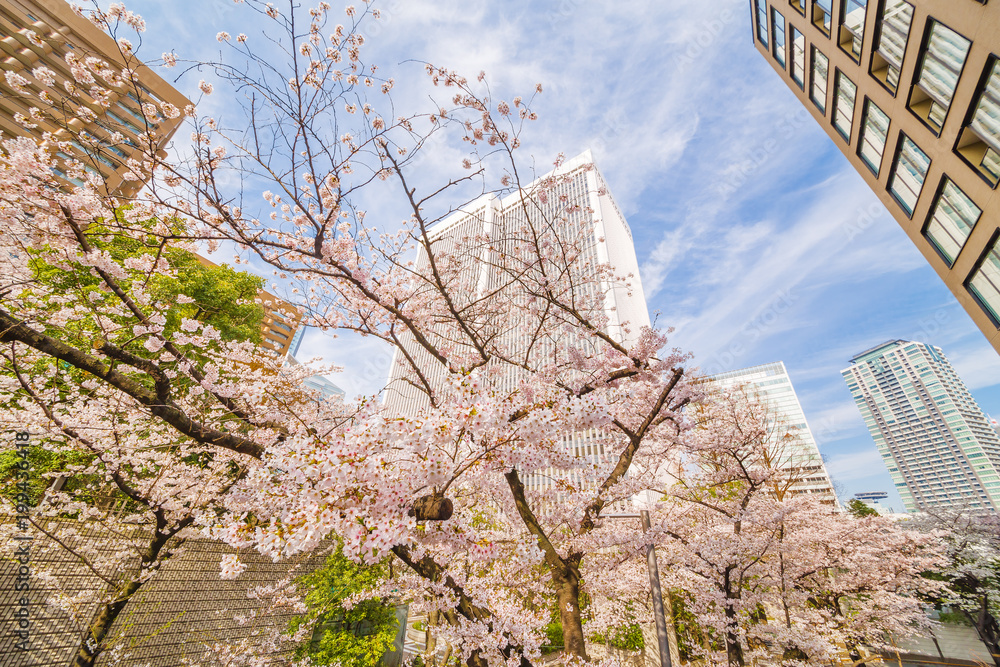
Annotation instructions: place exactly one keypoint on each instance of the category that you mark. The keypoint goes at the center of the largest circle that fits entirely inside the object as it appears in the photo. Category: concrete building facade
(772, 384)
(939, 447)
(910, 92)
(37, 33)
(502, 220)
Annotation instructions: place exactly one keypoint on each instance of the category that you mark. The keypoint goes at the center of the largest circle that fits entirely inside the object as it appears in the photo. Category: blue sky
(755, 237)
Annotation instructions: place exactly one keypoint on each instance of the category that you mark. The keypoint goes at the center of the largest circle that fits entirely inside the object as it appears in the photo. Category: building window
(761, 21)
(952, 218)
(800, 6)
(908, 174)
(984, 283)
(852, 27)
(820, 70)
(894, 29)
(822, 15)
(798, 58)
(979, 143)
(778, 29)
(843, 110)
(940, 67)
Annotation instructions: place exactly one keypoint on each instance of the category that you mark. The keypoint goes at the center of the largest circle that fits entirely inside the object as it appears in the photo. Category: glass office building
(771, 383)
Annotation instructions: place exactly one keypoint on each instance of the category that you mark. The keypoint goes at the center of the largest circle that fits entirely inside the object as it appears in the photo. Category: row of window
(943, 57)
(953, 214)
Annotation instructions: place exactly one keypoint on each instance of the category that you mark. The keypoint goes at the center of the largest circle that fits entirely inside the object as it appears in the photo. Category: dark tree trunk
(93, 644)
(567, 584)
(988, 629)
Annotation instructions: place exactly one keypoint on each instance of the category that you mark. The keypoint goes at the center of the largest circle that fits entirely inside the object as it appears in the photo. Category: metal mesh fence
(183, 608)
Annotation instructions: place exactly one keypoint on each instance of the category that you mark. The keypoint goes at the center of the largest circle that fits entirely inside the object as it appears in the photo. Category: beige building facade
(910, 92)
(36, 33)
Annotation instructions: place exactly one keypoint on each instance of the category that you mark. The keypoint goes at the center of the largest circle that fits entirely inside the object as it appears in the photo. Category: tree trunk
(92, 645)
(567, 584)
(734, 649)
(987, 628)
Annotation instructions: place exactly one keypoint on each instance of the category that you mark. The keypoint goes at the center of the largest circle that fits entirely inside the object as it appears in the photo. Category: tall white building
(800, 454)
(577, 183)
(938, 445)
(573, 194)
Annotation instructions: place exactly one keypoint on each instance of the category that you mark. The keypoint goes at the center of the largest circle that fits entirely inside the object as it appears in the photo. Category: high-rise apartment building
(910, 92)
(798, 452)
(576, 184)
(938, 445)
(36, 33)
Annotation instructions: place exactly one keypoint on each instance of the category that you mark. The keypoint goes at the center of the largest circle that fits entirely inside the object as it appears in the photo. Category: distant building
(43, 33)
(773, 385)
(871, 496)
(281, 322)
(326, 388)
(873, 499)
(581, 184)
(939, 447)
(910, 92)
(281, 319)
(293, 347)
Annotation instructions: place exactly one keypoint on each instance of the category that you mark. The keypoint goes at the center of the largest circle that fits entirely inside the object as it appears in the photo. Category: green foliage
(41, 461)
(223, 297)
(554, 638)
(859, 509)
(692, 638)
(356, 637)
(627, 637)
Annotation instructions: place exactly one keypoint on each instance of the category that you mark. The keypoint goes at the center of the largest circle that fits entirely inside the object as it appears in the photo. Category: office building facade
(578, 185)
(939, 447)
(502, 220)
(910, 92)
(36, 33)
(798, 454)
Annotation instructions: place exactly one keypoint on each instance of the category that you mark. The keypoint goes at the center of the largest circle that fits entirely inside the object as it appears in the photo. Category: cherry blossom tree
(972, 567)
(771, 575)
(216, 433)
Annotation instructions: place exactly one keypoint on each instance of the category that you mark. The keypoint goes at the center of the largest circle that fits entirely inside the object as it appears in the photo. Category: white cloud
(856, 466)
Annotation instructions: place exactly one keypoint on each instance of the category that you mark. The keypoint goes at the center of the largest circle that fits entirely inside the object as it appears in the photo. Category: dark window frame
(836, 104)
(840, 26)
(791, 31)
(877, 36)
(984, 78)
(765, 40)
(892, 173)
(812, 17)
(994, 239)
(774, 41)
(812, 76)
(799, 6)
(930, 216)
(861, 139)
(922, 54)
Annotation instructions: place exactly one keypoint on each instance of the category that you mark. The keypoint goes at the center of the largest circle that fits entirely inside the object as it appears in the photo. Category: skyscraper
(938, 445)
(574, 192)
(910, 92)
(800, 456)
(45, 33)
(577, 182)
